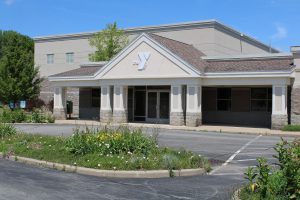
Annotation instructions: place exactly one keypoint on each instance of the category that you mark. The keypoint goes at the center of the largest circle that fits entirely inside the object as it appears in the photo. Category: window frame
(48, 56)
(228, 100)
(70, 57)
(95, 98)
(267, 100)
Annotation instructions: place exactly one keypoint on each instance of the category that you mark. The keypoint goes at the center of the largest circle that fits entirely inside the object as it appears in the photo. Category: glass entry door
(158, 106)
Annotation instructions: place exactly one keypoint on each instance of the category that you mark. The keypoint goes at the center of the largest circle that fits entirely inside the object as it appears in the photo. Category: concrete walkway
(207, 128)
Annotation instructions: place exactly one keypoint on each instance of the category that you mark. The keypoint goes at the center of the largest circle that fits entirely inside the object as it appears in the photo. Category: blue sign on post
(23, 104)
(11, 105)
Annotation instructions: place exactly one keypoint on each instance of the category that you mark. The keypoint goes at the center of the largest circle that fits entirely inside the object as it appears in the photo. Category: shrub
(282, 183)
(18, 116)
(7, 130)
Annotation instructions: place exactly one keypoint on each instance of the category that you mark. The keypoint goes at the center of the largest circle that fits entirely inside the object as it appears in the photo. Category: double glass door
(158, 106)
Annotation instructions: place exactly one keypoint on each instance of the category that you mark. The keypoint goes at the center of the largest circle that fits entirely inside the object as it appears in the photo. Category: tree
(19, 78)
(108, 43)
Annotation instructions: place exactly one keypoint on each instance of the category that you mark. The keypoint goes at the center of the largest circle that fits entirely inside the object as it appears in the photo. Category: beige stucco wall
(209, 40)
(226, 44)
(80, 47)
(157, 66)
(202, 38)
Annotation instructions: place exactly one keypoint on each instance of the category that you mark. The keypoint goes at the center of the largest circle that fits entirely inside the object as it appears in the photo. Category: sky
(275, 22)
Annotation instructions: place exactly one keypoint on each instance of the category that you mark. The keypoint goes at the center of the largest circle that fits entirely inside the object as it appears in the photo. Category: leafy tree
(19, 78)
(108, 43)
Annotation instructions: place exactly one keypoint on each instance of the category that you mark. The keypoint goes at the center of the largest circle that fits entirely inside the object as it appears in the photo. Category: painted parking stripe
(235, 154)
(252, 159)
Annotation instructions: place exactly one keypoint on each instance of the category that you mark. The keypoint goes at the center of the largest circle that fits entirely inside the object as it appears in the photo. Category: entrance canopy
(153, 60)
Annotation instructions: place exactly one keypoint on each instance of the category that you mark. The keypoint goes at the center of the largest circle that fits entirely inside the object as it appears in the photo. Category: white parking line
(252, 159)
(245, 160)
(235, 154)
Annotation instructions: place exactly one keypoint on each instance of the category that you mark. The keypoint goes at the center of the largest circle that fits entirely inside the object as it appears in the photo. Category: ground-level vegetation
(107, 148)
(291, 127)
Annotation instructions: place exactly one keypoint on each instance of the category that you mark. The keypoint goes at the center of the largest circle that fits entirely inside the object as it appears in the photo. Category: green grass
(53, 149)
(291, 128)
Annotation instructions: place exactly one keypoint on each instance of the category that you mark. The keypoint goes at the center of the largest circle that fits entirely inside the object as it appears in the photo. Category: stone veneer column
(120, 114)
(295, 95)
(193, 105)
(176, 113)
(59, 107)
(105, 105)
(279, 106)
(295, 104)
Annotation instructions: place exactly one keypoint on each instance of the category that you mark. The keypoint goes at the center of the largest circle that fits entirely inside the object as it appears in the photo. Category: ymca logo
(143, 58)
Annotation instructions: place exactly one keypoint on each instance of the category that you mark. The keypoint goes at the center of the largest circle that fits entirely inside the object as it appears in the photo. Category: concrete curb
(104, 173)
(235, 195)
(204, 128)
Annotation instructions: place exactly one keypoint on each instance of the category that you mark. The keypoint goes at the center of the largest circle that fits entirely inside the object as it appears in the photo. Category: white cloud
(9, 2)
(281, 32)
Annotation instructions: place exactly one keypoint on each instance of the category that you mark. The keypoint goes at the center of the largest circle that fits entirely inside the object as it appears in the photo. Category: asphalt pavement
(231, 153)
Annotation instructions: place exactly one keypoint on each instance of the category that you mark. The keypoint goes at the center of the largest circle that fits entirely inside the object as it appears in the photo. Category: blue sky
(275, 21)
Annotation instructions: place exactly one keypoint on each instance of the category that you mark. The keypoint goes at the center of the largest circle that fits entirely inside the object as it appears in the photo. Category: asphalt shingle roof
(83, 71)
(186, 52)
(246, 65)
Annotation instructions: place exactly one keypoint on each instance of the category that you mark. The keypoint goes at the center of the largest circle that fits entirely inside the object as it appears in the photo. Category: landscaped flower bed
(113, 149)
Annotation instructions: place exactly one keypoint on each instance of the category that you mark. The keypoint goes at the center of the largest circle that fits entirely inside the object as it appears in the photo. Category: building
(182, 74)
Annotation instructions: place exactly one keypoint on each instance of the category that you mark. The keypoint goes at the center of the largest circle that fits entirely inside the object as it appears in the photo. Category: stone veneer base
(176, 118)
(59, 113)
(295, 105)
(193, 119)
(279, 121)
(295, 119)
(105, 116)
(120, 116)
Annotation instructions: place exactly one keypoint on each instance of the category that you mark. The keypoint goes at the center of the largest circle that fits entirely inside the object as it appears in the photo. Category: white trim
(248, 56)
(249, 74)
(246, 81)
(151, 81)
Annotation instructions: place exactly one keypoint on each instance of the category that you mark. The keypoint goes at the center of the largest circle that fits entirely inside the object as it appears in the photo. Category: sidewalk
(206, 128)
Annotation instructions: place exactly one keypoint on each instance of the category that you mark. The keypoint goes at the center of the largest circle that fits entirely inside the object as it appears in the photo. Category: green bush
(7, 130)
(282, 183)
(18, 116)
(291, 128)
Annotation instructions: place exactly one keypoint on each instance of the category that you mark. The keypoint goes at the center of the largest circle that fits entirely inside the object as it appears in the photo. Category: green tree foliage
(19, 78)
(108, 43)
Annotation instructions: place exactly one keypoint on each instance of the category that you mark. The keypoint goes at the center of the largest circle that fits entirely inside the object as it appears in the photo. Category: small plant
(250, 175)
(7, 130)
(263, 176)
